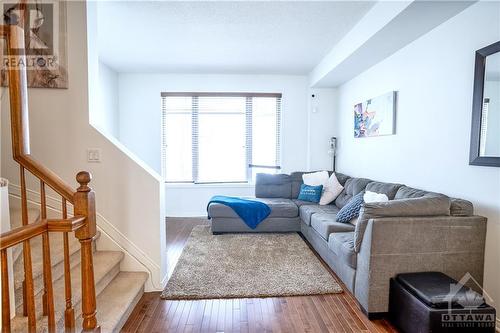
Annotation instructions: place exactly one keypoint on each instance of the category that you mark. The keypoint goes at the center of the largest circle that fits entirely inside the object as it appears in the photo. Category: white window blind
(219, 137)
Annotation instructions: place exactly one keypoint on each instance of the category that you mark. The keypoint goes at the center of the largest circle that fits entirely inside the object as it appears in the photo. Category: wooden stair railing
(83, 224)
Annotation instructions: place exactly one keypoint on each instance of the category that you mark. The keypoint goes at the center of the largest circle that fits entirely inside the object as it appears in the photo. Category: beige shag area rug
(247, 265)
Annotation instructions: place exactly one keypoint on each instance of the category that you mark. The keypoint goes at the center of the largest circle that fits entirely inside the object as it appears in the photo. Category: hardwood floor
(322, 313)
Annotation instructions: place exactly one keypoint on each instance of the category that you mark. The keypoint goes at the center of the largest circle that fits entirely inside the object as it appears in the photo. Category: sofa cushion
(325, 224)
(273, 186)
(342, 178)
(279, 208)
(384, 188)
(296, 182)
(352, 187)
(429, 205)
(406, 192)
(306, 211)
(461, 207)
(302, 202)
(342, 245)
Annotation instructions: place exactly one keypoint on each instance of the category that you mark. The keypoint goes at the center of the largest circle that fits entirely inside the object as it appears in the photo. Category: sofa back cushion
(406, 192)
(384, 188)
(461, 207)
(296, 182)
(273, 186)
(352, 187)
(341, 177)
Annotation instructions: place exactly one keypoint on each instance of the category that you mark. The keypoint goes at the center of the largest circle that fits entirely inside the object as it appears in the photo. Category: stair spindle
(5, 293)
(24, 221)
(43, 200)
(47, 277)
(48, 295)
(28, 288)
(69, 312)
(43, 214)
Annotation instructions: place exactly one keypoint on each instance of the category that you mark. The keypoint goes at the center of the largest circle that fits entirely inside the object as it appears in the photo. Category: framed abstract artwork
(376, 116)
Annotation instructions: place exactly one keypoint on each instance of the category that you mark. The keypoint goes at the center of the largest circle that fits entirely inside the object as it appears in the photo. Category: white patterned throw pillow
(374, 197)
(331, 190)
(315, 178)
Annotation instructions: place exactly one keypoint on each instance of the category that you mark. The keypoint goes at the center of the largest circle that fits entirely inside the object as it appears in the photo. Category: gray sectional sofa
(414, 231)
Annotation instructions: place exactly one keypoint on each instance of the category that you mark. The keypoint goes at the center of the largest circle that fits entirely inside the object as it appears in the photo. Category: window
(219, 137)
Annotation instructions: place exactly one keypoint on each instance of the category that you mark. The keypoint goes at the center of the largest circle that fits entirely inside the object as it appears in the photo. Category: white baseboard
(111, 239)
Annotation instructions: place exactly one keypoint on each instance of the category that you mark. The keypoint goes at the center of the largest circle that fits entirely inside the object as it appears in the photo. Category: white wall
(320, 128)
(140, 124)
(106, 115)
(434, 77)
(129, 197)
(191, 200)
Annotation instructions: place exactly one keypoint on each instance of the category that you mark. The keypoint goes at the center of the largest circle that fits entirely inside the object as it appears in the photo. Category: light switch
(94, 155)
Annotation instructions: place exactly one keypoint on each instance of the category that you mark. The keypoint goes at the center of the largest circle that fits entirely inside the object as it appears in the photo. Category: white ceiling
(266, 37)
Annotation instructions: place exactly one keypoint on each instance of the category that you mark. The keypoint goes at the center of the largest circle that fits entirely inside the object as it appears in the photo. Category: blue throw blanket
(252, 212)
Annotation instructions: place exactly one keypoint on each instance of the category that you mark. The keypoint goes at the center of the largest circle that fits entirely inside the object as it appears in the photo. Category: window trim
(248, 135)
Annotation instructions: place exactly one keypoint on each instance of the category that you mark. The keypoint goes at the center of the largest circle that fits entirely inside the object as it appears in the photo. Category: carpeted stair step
(57, 261)
(106, 267)
(118, 299)
(117, 292)
(16, 217)
(16, 220)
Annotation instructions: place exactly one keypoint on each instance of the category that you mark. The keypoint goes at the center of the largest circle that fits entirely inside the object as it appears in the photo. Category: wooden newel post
(84, 205)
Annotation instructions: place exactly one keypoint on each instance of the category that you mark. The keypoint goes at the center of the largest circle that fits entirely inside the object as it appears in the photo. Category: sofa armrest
(426, 234)
(429, 205)
(391, 245)
(273, 186)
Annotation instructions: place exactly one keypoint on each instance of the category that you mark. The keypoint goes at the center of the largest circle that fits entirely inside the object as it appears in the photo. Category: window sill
(218, 185)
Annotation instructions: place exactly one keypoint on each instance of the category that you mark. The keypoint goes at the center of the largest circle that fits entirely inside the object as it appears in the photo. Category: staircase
(117, 292)
(62, 283)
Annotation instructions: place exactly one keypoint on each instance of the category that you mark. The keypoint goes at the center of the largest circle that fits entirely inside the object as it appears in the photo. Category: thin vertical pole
(28, 288)
(69, 312)
(5, 293)
(48, 291)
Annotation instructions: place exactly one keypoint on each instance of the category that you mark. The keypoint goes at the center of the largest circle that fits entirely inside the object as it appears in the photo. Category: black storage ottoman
(424, 302)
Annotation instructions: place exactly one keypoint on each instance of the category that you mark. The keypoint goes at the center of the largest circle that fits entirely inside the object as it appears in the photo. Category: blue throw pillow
(310, 193)
(351, 209)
